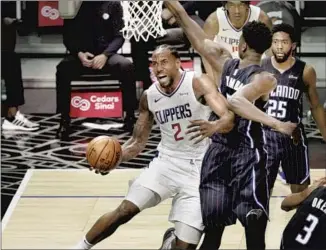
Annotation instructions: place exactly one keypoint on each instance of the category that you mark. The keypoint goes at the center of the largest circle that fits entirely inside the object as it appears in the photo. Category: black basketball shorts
(233, 184)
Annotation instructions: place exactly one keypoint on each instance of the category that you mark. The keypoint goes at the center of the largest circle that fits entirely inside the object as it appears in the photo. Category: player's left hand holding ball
(103, 154)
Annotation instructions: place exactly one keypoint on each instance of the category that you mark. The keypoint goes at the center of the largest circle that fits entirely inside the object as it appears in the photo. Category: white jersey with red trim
(228, 35)
(173, 113)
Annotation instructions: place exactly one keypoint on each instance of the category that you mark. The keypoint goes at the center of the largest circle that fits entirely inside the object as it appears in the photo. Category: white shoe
(168, 238)
(130, 182)
(20, 122)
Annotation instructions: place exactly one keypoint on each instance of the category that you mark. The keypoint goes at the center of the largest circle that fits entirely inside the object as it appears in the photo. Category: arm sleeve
(72, 37)
(117, 22)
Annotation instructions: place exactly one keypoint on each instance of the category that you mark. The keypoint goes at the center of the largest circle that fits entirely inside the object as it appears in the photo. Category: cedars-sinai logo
(48, 11)
(80, 103)
(100, 102)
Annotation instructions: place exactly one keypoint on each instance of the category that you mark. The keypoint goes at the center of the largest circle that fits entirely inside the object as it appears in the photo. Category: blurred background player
(306, 229)
(294, 78)
(173, 102)
(234, 179)
(93, 38)
(225, 24)
(11, 72)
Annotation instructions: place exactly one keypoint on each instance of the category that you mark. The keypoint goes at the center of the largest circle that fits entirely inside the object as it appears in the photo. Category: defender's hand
(166, 14)
(286, 127)
(201, 129)
(296, 136)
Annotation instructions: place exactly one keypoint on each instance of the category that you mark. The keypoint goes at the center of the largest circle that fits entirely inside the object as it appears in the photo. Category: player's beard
(283, 58)
(166, 82)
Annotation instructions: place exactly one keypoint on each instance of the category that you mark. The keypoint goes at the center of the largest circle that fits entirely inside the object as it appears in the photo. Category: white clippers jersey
(173, 112)
(228, 35)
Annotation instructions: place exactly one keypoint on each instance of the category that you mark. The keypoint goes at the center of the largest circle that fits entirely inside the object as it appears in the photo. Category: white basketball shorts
(172, 177)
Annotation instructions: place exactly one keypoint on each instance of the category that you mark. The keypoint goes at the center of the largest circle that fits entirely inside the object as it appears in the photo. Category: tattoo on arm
(141, 131)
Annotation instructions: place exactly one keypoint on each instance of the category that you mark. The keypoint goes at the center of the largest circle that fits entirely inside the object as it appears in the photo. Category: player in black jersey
(294, 79)
(307, 228)
(233, 176)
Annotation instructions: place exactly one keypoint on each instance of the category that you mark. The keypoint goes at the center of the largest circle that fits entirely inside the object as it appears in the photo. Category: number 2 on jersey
(277, 108)
(177, 128)
(308, 230)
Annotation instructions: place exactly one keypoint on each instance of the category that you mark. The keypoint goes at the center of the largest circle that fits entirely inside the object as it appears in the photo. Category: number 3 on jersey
(308, 230)
(277, 109)
(177, 128)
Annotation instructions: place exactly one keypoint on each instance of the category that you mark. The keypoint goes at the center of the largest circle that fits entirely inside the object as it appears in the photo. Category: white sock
(83, 245)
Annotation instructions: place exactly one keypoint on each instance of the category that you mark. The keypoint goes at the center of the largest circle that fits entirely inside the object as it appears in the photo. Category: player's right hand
(286, 128)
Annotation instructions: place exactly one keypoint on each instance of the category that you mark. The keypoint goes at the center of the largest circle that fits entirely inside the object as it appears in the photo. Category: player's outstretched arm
(140, 134)
(204, 87)
(211, 28)
(214, 53)
(241, 102)
(317, 110)
(292, 201)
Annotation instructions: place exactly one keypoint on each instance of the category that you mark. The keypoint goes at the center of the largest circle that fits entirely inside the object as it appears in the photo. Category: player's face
(165, 67)
(237, 11)
(282, 46)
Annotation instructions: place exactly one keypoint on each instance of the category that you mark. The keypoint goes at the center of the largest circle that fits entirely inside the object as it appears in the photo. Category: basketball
(103, 153)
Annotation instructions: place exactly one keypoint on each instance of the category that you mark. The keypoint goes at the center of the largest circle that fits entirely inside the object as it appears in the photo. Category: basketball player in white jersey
(225, 25)
(173, 102)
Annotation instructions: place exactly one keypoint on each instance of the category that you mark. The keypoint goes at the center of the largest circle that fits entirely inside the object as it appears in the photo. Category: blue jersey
(306, 229)
(285, 102)
(245, 133)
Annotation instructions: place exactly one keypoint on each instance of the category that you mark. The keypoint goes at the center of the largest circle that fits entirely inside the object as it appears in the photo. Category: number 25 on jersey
(277, 109)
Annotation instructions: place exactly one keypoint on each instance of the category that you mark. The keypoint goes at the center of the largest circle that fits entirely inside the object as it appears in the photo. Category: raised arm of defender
(215, 54)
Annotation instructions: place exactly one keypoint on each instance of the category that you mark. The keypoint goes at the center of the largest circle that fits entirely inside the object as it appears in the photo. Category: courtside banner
(48, 14)
(96, 104)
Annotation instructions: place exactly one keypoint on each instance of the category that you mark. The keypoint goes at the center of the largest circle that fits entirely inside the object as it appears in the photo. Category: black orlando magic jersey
(285, 102)
(307, 228)
(246, 133)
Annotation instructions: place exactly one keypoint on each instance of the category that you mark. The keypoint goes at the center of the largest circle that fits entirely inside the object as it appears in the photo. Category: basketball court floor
(53, 209)
(58, 199)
